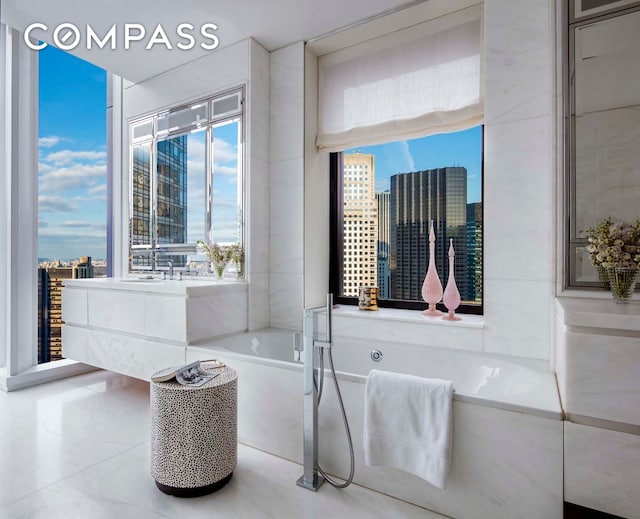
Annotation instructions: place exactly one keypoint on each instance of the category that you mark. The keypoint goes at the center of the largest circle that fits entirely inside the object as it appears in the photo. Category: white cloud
(67, 156)
(49, 142)
(406, 152)
(43, 168)
(225, 170)
(80, 224)
(54, 204)
(224, 151)
(100, 189)
(74, 176)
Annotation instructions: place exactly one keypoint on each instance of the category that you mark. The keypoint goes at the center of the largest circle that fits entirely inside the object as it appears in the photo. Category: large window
(384, 199)
(72, 179)
(186, 182)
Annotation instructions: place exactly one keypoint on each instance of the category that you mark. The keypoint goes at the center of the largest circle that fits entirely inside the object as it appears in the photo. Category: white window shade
(422, 80)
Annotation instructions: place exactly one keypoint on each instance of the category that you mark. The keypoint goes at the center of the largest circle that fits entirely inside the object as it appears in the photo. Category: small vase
(451, 298)
(239, 270)
(432, 288)
(218, 269)
(622, 283)
(602, 275)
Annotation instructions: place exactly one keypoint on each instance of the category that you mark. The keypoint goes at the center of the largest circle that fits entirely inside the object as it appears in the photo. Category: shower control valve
(376, 355)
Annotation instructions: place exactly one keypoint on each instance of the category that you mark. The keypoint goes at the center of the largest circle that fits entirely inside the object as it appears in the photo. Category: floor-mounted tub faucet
(313, 350)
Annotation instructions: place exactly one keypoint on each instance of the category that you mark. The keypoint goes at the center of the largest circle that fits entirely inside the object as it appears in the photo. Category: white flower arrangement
(220, 255)
(614, 244)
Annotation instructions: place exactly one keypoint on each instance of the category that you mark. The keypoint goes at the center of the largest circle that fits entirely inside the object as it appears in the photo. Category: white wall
(519, 204)
(286, 232)
(18, 203)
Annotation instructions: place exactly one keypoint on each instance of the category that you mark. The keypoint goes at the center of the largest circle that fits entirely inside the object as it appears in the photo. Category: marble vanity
(136, 326)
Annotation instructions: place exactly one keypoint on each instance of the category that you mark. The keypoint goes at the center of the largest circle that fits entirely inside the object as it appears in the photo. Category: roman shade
(414, 82)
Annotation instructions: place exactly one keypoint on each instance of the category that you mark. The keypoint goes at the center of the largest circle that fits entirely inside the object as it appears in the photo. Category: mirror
(605, 130)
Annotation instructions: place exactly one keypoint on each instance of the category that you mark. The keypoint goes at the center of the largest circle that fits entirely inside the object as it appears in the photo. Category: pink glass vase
(432, 288)
(451, 298)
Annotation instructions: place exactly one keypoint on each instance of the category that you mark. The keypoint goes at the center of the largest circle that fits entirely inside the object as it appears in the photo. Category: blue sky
(462, 148)
(72, 156)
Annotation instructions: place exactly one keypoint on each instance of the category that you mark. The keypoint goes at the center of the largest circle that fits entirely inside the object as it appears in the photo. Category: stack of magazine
(195, 374)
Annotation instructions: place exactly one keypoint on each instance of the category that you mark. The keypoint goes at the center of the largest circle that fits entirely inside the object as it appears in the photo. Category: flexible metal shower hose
(344, 418)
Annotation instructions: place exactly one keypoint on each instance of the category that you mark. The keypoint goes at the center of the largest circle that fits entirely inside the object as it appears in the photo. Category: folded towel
(408, 424)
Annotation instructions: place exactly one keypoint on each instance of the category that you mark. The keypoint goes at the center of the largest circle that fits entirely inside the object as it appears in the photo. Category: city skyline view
(391, 192)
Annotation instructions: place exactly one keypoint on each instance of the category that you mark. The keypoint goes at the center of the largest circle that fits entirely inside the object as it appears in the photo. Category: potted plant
(614, 248)
(217, 254)
(236, 255)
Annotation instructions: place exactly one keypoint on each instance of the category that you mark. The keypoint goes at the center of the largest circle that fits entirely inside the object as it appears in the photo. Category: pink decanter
(432, 288)
(451, 297)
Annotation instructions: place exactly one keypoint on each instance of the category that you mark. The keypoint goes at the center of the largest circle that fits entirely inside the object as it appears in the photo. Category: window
(380, 221)
(186, 181)
(72, 178)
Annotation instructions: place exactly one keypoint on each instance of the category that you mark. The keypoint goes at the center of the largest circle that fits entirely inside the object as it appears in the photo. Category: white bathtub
(507, 454)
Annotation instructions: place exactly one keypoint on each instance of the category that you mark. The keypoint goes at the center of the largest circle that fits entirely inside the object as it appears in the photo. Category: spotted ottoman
(194, 433)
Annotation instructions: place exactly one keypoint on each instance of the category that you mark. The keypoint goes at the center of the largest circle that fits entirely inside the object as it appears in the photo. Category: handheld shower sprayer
(313, 355)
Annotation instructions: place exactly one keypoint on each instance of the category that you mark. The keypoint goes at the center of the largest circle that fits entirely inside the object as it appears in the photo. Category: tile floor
(79, 448)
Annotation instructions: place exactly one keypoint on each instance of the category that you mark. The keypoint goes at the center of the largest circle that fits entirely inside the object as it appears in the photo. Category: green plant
(236, 254)
(218, 255)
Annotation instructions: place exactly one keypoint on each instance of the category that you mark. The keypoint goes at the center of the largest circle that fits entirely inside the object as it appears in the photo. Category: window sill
(600, 312)
(43, 373)
(408, 316)
(596, 294)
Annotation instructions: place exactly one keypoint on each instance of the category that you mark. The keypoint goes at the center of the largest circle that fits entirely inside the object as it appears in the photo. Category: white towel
(408, 424)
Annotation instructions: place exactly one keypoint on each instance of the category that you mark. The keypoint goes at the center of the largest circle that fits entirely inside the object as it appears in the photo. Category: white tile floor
(79, 448)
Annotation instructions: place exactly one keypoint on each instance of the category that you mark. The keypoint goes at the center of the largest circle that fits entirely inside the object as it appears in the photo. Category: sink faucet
(170, 270)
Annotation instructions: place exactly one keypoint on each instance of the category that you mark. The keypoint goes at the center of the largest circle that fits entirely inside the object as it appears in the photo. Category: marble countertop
(186, 286)
(601, 313)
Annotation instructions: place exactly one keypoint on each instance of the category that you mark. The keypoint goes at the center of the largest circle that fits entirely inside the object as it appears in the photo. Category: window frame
(154, 249)
(572, 241)
(336, 245)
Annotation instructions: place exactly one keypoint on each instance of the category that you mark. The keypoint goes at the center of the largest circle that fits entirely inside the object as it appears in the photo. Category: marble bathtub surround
(506, 414)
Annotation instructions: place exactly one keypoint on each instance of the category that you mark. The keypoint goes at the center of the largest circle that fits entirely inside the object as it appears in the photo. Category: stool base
(196, 491)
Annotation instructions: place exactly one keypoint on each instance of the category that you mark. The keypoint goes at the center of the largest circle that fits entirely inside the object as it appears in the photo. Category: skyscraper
(170, 199)
(360, 223)
(141, 202)
(417, 198)
(474, 251)
(171, 163)
(50, 285)
(384, 272)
